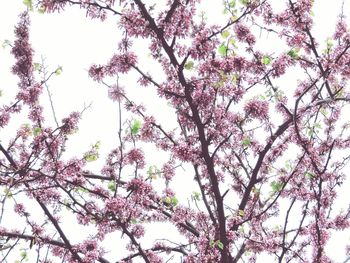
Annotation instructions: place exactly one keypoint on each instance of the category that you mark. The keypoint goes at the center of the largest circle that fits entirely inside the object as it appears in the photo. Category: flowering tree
(253, 152)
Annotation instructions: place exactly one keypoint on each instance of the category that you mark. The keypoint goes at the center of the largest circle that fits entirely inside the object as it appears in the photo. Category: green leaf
(174, 201)
(196, 196)
(244, 2)
(234, 78)
(6, 43)
(23, 254)
(28, 4)
(323, 111)
(111, 186)
(158, 172)
(277, 228)
(170, 201)
(293, 53)
(167, 200)
(241, 212)
(309, 175)
(37, 66)
(232, 3)
(203, 16)
(153, 171)
(266, 60)
(220, 245)
(241, 229)
(225, 34)
(288, 164)
(135, 127)
(276, 186)
(90, 157)
(211, 243)
(278, 95)
(7, 193)
(232, 42)
(149, 172)
(66, 203)
(222, 49)
(36, 131)
(1, 93)
(246, 142)
(97, 145)
(189, 65)
(41, 10)
(310, 131)
(58, 71)
(329, 43)
(81, 189)
(256, 191)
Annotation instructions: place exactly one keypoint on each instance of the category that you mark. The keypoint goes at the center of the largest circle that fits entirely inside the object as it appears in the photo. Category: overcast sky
(72, 41)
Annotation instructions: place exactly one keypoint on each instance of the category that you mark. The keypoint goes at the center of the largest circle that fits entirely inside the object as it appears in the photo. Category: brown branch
(254, 178)
(171, 11)
(42, 239)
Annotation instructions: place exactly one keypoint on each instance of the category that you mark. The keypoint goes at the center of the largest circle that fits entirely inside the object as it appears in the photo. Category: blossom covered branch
(253, 152)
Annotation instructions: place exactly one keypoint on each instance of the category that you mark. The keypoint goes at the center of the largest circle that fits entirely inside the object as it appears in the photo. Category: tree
(253, 152)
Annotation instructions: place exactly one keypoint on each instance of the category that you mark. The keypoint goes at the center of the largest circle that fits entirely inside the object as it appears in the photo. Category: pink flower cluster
(257, 109)
(90, 250)
(30, 95)
(135, 156)
(23, 53)
(133, 22)
(51, 6)
(243, 34)
(115, 93)
(121, 63)
(70, 123)
(118, 64)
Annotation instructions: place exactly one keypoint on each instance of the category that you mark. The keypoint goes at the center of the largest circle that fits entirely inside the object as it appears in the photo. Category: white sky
(71, 40)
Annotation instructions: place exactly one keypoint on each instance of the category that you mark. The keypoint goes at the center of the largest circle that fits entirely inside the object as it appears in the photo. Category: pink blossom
(97, 73)
(257, 109)
(341, 222)
(96, 12)
(135, 156)
(153, 257)
(90, 249)
(243, 34)
(184, 152)
(115, 204)
(70, 123)
(116, 92)
(341, 29)
(247, 162)
(51, 6)
(121, 63)
(168, 171)
(144, 81)
(134, 23)
(23, 53)
(30, 95)
(148, 131)
(138, 231)
(36, 113)
(20, 209)
(4, 118)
